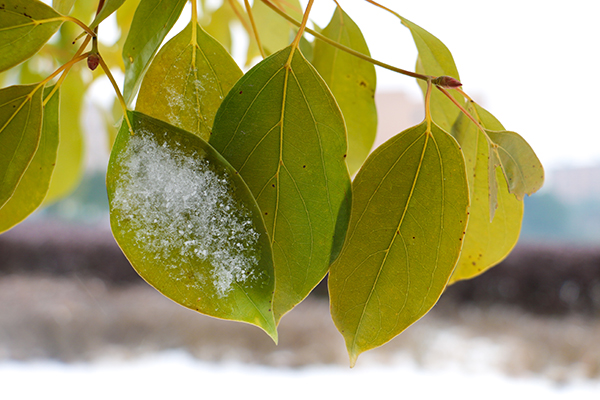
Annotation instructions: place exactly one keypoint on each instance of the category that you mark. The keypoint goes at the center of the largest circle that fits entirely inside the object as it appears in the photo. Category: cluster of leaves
(231, 193)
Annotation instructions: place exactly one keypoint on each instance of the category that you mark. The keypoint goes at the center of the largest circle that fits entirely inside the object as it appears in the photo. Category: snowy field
(177, 375)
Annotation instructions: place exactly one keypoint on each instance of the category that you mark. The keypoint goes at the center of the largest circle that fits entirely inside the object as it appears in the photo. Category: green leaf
(25, 25)
(20, 130)
(69, 160)
(32, 188)
(352, 81)
(436, 60)
(187, 81)
(282, 130)
(109, 7)
(274, 32)
(495, 215)
(152, 21)
(188, 223)
(409, 213)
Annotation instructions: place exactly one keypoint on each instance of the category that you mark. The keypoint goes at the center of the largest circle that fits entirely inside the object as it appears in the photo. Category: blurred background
(75, 315)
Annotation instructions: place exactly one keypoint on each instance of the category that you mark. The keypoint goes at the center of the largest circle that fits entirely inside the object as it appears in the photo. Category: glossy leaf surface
(495, 215)
(436, 60)
(25, 25)
(20, 130)
(282, 130)
(188, 224)
(69, 160)
(32, 188)
(409, 213)
(187, 81)
(352, 81)
(152, 20)
(109, 7)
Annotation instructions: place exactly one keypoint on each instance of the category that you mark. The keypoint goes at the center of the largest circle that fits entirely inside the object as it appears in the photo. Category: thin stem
(118, 92)
(67, 68)
(428, 105)
(347, 49)
(296, 41)
(81, 24)
(254, 28)
(384, 8)
(234, 5)
(457, 104)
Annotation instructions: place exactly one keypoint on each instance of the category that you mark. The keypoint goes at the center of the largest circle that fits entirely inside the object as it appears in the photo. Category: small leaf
(188, 224)
(25, 25)
(488, 240)
(218, 27)
(522, 169)
(281, 129)
(409, 213)
(109, 7)
(352, 82)
(20, 130)
(187, 81)
(69, 160)
(32, 188)
(436, 60)
(152, 20)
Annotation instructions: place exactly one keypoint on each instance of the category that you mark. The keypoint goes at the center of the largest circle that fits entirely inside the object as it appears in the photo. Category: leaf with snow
(188, 223)
(187, 80)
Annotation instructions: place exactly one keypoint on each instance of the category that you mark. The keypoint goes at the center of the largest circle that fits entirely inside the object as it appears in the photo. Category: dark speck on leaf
(241, 91)
(363, 83)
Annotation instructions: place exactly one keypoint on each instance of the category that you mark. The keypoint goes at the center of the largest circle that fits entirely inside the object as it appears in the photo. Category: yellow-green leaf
(352, 81)
(109, 7)
(187, 80)
(63, 6)
(280, 127)
(25, 25)
(409, 213)
(218, 27)
(495, 215)
(188, 223)
(32, 188)
(436, 60)
(274, 32)
(69, 160)
(20, 130)
(152, 20)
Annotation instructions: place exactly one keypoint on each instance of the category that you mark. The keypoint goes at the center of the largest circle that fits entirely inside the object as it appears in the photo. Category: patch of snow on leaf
(183, 212)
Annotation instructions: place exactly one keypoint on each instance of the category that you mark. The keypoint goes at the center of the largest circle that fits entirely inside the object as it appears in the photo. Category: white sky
(534, 64)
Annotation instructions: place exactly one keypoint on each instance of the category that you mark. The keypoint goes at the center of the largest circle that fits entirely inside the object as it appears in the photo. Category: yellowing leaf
(25, 25)
(32, 188)
(409, 213)
(20, 130)
(69, 160)
(188, 223)
(152, 20)
(187, 81)
(488, 240)
(352, 81)
(274, 32)
(282, 130)
(218, 27)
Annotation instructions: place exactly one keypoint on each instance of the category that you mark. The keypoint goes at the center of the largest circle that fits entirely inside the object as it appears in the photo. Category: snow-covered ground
(175, 374)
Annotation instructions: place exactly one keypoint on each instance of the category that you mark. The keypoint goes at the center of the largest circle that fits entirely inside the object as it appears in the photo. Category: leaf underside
(188, 223)
(282, 130)
(409, 213)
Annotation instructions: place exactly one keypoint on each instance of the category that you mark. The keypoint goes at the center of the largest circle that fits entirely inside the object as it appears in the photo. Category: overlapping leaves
(281, 129)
